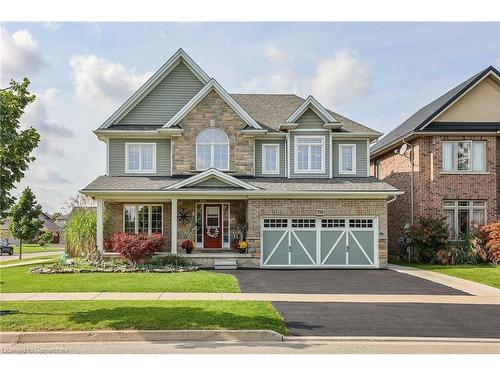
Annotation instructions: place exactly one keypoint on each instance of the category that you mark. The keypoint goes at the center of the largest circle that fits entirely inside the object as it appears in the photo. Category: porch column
(100, 225)
(173, 225)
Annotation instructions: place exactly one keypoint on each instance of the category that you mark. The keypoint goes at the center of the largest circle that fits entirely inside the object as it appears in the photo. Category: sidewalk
(272, 297)
(467, 286)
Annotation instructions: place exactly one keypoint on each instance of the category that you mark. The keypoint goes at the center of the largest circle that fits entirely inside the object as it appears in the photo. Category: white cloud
(20, 55)
(103, 83)
(51, 26)
(46, 174)
(37, 115)
(340, 80)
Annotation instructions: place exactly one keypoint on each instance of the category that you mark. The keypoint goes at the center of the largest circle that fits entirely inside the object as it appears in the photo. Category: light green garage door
(319, 242)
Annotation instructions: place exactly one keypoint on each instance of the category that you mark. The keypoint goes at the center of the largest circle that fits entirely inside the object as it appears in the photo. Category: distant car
(5, 247)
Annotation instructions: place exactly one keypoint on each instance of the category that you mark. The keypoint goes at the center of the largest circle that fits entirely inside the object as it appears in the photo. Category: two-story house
(454, 146)
(189, 160)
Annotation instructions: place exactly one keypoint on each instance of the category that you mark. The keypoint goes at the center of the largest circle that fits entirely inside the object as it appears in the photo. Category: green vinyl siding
(116, 156)
(162, 102)
(310, 120)
(258, 157)
(362, 165)
(327, 157)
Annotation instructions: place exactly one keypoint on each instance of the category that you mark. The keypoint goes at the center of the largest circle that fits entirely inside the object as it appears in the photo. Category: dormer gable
(309, 112)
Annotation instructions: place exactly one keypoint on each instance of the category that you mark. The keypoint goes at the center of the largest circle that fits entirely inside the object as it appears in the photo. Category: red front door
(212, 226)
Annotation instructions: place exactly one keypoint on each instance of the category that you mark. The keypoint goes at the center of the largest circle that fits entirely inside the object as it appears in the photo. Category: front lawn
(484, 274)
(140, 315)
(35, 248)
(18, 279)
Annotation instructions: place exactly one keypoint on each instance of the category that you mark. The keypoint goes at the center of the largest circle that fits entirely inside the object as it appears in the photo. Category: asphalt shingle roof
(137, 183)
(427, 112)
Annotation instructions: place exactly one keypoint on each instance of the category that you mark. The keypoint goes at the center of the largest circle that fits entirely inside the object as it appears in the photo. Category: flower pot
(188, 250)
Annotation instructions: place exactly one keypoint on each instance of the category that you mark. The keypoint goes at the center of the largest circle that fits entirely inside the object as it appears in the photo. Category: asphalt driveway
(336, 281)
(391, 319)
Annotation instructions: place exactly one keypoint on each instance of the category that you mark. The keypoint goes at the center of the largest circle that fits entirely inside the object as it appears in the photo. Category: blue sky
(375, 73)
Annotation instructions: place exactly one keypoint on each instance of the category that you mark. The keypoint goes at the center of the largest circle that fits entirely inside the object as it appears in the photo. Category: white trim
(212, 85)
(215, 173)
(100, 225)
(151, 83)
(173, 226)
(354, 150)
(276, 147)
(107, 156)
(296, 169)
(330, 157)
(212, 158)
(225, 245)
(312, 103)
(287, 145)
(140, 170)
(368, 174)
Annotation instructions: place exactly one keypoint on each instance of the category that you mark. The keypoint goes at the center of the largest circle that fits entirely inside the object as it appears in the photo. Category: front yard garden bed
(139, 315)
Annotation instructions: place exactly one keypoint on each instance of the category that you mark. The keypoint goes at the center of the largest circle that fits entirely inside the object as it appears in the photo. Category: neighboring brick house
(455, 144)
(189, 160)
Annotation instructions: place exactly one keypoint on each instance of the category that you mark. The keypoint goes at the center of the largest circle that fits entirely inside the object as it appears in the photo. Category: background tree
(45, 238)
(24, 218)
(16, 145)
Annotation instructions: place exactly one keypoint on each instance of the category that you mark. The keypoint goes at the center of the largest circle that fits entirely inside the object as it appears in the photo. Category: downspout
(412, 182)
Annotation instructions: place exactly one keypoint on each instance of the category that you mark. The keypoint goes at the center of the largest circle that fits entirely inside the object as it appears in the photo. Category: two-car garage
(325, 242)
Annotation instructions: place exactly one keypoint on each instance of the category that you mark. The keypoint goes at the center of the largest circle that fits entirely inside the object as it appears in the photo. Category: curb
(162, 335)
(423, 339)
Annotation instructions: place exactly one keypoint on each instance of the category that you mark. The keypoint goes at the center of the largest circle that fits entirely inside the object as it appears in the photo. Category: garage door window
(333, 223)
(275, 223)
(361, 223)
(303, 223)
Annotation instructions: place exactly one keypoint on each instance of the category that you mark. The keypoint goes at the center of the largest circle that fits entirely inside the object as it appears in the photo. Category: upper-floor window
(212, 150)
(464, 156)
(347, 159)
(462, 215)
(309, 154)
(270, 159)
(140, 157)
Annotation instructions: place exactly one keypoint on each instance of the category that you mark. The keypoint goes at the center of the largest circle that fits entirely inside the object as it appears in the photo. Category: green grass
(40, 259)
(484, 274)
(18, 279)
(140, 315)
(35, 248)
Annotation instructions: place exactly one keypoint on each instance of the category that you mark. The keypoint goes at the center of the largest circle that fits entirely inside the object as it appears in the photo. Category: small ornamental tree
(24, 218)
(429, 235)
(135, 247)
(490, 235)
(45, 238)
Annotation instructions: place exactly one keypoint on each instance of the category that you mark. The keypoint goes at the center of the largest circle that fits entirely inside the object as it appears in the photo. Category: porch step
(225, 264)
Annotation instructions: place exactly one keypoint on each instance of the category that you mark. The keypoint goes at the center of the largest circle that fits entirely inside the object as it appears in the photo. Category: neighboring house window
(347, 158)
(145, 219)
(462, 215)
(140, 157)
(212, 150)
(309, 154)
(270, 159)
(465, 156)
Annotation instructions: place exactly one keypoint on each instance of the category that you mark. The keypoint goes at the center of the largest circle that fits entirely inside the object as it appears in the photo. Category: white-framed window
(309, 154)
(140, 157)
(347, 159)
(270, 158)
(462, 215)
(143, 218)
(464, 156)
(212, 150)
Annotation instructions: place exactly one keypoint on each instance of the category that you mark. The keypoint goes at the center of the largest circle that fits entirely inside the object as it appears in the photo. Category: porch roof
(291, 185)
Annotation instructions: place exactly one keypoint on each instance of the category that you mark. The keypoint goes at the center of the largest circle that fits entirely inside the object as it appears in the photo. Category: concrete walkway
(272, 297)
(467, 286)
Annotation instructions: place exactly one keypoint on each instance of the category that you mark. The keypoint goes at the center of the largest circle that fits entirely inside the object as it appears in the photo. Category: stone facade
(307, 207)
(213, 107)
(432, 186)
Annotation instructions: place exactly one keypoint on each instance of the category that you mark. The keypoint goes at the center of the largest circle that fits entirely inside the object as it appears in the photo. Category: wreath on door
(213, 232)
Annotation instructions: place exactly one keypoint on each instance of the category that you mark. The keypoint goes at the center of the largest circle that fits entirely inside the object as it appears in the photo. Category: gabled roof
(156, 78)
(210, 174)
(426, 114)
(212, 85)
(312, 103)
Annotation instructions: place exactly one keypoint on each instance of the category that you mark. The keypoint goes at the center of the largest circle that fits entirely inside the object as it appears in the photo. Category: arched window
(212, 150)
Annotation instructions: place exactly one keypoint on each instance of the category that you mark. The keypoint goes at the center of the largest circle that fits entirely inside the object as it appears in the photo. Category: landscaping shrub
(135, 247)
(429, 235)
(467, 250)
(169, 260)
(45, 238)
(490, 234)
(80, 233)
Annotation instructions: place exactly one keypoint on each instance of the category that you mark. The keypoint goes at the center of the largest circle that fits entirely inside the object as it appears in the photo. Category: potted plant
(187, 245)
